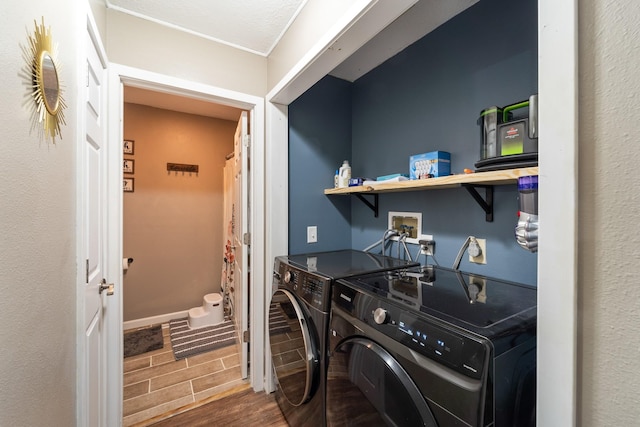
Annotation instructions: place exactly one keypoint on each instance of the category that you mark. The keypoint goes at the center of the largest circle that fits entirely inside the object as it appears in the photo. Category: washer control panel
(459, 350)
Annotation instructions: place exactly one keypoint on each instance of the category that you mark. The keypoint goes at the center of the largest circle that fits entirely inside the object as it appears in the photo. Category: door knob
(104, 287)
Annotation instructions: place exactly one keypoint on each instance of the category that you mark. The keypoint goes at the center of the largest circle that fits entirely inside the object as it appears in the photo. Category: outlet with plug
(477, 250)
(427, 247)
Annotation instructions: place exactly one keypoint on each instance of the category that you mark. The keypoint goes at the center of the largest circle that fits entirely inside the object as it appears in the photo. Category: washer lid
(482, 304)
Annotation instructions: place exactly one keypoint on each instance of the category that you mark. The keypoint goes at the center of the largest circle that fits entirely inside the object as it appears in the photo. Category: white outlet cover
(312, 234)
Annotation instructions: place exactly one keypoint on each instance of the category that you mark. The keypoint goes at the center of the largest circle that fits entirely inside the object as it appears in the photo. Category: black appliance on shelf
(509, 140)
(299, 321)
(431, 346)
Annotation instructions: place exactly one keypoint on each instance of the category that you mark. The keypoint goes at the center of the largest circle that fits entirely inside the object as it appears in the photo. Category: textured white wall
(148, 46)
(37, 230)
(609, 202)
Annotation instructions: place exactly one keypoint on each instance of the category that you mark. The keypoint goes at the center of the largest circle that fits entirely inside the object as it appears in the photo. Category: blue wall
(428, 97)
(319, 141)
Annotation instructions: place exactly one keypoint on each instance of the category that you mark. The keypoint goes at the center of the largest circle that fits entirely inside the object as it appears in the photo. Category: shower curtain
(229, 228)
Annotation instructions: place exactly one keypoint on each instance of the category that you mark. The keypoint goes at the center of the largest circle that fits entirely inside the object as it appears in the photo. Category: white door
(241, 229)
(92, 170)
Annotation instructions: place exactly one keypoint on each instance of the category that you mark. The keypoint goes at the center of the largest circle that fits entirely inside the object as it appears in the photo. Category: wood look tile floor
(156, 386)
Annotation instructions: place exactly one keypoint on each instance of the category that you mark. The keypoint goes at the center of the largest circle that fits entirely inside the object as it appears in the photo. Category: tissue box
(436, 163)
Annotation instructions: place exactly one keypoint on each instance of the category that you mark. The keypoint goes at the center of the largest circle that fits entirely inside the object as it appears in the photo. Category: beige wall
(148, 46)
(609, 202)
(37, 229)
(173, 221)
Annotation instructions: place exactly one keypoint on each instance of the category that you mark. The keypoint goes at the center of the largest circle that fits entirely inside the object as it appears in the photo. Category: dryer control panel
(312, 288)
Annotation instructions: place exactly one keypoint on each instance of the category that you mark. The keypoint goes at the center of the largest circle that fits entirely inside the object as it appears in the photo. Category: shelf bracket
(373, 206)
(487, 203)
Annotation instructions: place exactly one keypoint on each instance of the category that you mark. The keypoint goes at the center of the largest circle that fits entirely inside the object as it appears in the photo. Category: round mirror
(41, 69)
(50, 86)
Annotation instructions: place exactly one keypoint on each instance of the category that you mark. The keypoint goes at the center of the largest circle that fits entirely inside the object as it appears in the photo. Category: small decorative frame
(127, 186)
(128, 165)
(127, 146)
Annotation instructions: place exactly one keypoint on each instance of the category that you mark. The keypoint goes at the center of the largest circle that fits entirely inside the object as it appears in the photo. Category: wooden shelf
(471, 182)
(502, 177)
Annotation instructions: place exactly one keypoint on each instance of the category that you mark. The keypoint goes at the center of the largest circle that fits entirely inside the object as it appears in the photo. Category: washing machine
(299, 321)
(431, 346)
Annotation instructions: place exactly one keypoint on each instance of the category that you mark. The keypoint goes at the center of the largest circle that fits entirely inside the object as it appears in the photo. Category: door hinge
(247, 141)
(246, 238)
(245, 336)
(87, 272)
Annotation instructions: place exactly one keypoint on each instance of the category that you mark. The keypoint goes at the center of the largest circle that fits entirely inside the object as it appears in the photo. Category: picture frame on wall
(127, 186)
(128, 165)
(127, 146)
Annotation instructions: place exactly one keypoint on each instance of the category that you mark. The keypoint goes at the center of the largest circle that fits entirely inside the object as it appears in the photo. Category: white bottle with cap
(344, 175)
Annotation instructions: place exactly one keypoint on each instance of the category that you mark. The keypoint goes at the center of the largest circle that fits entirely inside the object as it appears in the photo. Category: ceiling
(257, 26)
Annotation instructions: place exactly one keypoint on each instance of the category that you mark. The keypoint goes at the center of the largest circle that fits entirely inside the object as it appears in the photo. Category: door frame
(558, 158)
(121, 75)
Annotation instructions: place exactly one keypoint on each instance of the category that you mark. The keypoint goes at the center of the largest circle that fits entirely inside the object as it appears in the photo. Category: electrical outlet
(312, 234)
(428, 247)
(481, 257)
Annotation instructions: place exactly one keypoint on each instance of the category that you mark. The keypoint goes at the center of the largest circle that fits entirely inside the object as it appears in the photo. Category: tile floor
(156, 384)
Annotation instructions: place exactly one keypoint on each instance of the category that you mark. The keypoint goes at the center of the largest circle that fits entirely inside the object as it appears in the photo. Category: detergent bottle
(344, 174)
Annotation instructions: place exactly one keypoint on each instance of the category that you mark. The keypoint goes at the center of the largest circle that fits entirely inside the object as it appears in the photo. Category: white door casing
(120, 75)
(242, 228)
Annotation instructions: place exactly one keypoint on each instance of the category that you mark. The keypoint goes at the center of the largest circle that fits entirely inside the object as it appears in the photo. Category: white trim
(557, 256)
(357, 26)
(153, 320)
(277, 210)
(120, 75)
(81, 369)
(114, 269)
(258, 312)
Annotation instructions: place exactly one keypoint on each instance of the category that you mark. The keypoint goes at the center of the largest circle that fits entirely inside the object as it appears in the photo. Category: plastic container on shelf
(344, 175)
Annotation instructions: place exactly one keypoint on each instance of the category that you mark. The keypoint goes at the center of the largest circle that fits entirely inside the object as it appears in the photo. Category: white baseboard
(153, 320)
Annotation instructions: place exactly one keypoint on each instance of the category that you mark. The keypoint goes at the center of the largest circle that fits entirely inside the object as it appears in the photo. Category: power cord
(471, 243)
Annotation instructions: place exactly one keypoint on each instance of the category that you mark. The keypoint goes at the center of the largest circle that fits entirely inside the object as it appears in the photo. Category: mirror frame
(45, 86)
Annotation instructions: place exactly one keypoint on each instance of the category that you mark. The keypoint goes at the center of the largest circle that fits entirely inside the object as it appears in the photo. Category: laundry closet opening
(182, 200)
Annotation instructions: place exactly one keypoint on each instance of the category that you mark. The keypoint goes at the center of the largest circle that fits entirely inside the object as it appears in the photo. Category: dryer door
(367, 386)
(294, 347)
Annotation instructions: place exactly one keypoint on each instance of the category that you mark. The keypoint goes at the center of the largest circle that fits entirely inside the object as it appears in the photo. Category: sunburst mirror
(45, 88)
